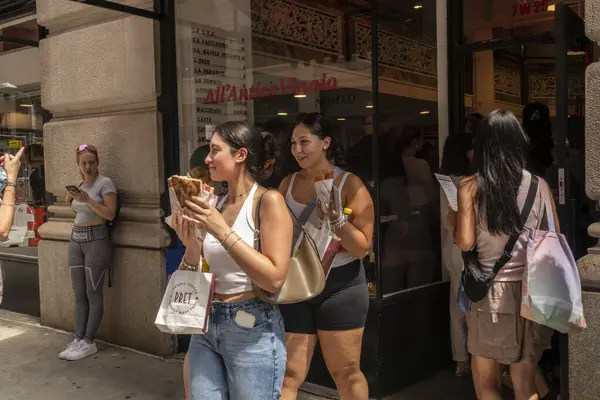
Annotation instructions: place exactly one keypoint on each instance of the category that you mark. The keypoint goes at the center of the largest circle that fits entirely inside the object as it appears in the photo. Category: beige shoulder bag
(305, 276)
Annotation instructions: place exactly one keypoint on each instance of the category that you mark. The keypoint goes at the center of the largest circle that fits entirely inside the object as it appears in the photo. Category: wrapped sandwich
(324, 187)
(182, 188)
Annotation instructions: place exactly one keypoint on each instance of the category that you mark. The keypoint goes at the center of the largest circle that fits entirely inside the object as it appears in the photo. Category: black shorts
(343, 305)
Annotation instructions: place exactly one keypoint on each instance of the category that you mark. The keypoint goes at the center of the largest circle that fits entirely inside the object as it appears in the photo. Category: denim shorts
(233, 361)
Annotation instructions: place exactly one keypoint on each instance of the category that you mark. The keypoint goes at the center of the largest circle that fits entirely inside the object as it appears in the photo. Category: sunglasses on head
(85, 147)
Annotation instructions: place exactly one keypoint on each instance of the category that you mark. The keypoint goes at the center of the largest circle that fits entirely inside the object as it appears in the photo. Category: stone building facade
(584, 362)
(100, 81)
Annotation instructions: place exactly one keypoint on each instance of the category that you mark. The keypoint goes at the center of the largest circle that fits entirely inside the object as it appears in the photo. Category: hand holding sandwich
(206, 217)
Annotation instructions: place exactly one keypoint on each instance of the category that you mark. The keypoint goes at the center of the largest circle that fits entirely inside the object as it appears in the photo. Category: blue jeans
(234, 362)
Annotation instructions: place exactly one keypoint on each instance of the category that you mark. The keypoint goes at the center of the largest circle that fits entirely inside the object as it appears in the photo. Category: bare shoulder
(469, 185)
(353, 183)
(270, 199)
(285, 183)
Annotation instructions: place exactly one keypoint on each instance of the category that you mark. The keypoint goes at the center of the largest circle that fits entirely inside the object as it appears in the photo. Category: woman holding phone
(94, 201)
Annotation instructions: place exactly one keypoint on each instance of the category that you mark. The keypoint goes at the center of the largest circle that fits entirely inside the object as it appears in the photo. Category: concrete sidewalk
(30, 368)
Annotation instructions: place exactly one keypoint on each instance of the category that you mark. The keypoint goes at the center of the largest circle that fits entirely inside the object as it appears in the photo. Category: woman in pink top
(489, 207)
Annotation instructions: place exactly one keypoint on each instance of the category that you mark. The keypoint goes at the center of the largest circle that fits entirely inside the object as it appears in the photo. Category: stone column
(100, 79)
(584, 348)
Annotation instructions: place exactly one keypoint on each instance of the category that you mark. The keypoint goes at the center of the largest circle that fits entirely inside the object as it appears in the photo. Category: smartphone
(73, 188)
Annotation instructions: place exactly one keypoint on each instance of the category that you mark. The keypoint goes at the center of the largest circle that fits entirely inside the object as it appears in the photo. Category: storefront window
(501, 19)
(21, 120)
(409, 196)
(264, 62)
(24, 30)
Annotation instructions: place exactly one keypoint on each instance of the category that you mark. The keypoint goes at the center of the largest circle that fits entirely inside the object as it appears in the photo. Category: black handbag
(475, 282)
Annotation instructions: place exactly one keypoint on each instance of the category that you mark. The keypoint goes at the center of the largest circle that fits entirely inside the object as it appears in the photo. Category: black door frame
(568, 34)
(164, 13)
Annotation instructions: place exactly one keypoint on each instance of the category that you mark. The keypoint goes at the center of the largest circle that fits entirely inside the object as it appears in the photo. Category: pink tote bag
(551, 283)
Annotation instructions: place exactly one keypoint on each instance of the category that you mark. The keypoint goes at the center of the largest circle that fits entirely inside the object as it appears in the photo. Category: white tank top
(229, 277)
(342, 258)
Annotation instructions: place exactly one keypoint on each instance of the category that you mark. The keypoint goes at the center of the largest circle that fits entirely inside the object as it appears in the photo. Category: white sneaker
(82, 350)
(63, 354)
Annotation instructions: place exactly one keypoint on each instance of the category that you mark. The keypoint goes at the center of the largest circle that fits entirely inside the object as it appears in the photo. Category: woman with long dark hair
(489, 212)
(457, 159)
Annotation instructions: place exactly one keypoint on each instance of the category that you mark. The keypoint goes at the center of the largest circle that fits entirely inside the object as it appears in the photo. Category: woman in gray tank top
(94, 202)
(489, 212)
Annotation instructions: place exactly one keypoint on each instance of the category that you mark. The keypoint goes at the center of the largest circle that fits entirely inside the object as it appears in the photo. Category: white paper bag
(185, 307)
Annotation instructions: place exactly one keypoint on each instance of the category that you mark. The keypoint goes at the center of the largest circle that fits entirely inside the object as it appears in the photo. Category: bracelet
(7, 204)
(187, 267)
(340, 222)
(226, 236)
(233, 244)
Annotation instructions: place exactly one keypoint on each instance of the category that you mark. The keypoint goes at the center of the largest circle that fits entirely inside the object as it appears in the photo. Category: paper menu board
(449, 189)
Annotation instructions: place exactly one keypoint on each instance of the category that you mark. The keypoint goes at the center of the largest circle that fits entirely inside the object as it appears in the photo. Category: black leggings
(90, 253)
(343, 305)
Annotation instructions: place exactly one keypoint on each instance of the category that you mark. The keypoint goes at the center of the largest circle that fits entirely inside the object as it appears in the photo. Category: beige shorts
(498, 332)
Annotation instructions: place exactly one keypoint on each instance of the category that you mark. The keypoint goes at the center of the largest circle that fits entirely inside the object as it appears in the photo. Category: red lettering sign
(232, 93)
(526, 8)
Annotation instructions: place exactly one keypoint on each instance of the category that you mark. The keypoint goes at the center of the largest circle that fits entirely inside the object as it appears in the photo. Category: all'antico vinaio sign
(233, 93)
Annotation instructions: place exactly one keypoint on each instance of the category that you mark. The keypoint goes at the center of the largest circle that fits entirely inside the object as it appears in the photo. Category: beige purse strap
(257, 243)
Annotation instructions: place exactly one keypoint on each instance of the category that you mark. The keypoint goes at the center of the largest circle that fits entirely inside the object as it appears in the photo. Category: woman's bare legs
(186, 382)
(300, 349)
(523, 378)
(341, 350)
(486, 378)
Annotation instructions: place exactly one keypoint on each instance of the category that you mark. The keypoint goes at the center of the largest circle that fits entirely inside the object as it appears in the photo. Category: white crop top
(341, 258)
(229, 277)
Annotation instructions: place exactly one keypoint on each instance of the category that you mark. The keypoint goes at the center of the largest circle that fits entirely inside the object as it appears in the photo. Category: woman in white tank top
(242, 356)
(337, 316)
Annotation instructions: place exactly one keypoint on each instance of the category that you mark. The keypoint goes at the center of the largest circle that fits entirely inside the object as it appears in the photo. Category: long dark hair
(454, 156)
(500, 150)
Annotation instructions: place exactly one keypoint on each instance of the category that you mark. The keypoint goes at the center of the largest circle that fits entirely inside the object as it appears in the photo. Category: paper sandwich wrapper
(176, 207)
(324, 189)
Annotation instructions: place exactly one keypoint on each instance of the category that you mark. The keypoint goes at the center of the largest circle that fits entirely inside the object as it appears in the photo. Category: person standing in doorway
(489, 212)
(457, 158)
(94, 201)
(336, 317)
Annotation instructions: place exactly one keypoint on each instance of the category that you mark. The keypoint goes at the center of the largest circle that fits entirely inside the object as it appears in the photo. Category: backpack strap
(512, 241)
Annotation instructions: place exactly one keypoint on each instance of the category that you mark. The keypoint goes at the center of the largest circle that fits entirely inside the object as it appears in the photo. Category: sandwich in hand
(185, 188)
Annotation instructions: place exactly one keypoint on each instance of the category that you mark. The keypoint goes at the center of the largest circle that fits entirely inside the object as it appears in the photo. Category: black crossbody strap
(527, 207)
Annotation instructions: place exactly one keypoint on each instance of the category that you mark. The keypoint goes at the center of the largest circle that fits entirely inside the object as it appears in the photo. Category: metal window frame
(156, 14)
(375, 149)
(42, 32)
(20, 41)
(167, 100)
